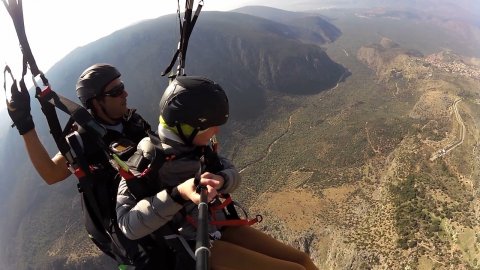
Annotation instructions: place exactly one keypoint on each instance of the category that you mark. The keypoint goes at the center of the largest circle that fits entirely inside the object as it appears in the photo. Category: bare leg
(255, 240)
(228, 256)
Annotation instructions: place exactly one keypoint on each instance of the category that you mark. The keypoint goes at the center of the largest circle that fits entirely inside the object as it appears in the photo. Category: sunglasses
(115, 91)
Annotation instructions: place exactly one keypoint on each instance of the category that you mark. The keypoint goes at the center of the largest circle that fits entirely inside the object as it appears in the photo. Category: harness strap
(185, 32)
(188, 141)
(230, 205)
(48, 98)
(182, 241)
(7, 69)
(81, 116)
(77, 112)
(86, 182)
(228, 200)
(15, 9)
(85, 179)
(55, 128)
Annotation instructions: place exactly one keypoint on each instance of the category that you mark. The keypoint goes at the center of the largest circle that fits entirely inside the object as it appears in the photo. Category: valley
(352, 182)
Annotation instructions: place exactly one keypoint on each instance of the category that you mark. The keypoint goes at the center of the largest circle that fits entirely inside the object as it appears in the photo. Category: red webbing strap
(224, 204)
(229, 222)
(126, 175)
(79, 173)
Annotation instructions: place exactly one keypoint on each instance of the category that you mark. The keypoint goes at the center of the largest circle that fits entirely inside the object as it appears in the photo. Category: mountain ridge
(198, 63)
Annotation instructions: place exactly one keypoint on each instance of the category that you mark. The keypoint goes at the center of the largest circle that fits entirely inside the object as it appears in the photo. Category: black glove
(19, 108)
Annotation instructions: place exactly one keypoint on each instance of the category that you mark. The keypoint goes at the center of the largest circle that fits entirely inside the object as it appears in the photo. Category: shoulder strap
(160, 155)
(85, 178)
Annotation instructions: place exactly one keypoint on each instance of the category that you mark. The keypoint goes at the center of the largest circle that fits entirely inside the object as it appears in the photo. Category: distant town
(457, 66)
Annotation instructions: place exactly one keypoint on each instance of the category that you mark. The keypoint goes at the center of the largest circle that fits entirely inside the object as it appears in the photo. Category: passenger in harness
(101, 90)
(162, 202)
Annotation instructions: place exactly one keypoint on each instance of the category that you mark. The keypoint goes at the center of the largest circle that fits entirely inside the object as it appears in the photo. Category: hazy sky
(56, 27)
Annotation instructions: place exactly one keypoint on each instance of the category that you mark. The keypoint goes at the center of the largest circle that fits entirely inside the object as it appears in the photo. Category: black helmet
(196, 101)
(93, 81)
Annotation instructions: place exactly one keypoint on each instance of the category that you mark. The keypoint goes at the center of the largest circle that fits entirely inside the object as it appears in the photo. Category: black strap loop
(7, 69)
(186, 29)
(15, 9)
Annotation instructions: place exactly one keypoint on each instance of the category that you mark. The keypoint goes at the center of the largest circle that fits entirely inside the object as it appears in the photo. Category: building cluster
(456, 66)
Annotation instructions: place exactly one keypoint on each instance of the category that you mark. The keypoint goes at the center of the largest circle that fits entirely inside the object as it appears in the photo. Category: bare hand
(188, 190)
(218, 178)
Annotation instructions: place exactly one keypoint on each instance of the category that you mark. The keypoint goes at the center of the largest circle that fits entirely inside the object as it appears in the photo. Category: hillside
(349, 175)
(308, 27)
(261, 50)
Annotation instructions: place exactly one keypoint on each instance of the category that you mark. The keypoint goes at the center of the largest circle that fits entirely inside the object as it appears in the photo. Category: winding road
(270, 146)
(449, 148)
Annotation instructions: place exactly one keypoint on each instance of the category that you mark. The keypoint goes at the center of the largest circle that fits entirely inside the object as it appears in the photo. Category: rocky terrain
(389, 206)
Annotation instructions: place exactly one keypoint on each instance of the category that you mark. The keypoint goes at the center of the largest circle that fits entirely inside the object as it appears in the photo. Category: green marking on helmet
(186, 128)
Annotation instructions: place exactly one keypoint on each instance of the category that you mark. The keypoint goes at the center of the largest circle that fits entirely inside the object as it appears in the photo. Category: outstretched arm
(51, 170)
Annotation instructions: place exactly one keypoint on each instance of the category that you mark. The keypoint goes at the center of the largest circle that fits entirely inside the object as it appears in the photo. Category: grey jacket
(137, 220)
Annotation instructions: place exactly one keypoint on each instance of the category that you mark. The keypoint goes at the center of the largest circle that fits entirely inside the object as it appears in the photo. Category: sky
(56, 27)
